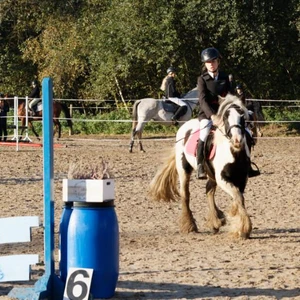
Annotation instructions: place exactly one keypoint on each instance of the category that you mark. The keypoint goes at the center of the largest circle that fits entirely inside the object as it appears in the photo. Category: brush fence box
(88, 190)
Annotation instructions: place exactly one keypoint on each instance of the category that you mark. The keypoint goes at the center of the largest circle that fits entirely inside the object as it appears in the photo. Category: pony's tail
(134, 114)
(68, 116)
(164, 185)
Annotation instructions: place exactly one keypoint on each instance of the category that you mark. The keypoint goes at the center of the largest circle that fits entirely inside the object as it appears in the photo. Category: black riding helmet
(171, 70)
(209, 54)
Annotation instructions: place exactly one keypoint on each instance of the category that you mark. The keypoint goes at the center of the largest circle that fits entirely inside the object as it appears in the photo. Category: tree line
(111, 49)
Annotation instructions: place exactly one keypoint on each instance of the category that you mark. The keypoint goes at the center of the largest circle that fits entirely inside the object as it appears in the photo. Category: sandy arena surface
(156, 261)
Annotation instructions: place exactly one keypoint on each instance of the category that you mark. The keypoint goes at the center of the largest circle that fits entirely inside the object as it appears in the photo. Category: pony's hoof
(244, 236)
(215, 230)
(187, 227)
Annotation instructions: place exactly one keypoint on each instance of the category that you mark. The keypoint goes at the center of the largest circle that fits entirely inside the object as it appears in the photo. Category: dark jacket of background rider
(171, 90)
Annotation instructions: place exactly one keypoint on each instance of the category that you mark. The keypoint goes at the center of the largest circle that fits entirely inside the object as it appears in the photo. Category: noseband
(240, 126)
(228, 131)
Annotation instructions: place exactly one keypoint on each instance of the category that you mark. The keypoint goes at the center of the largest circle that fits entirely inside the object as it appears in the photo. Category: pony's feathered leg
(239, 219)
(184, 169)
(215, 218)
(187, 221)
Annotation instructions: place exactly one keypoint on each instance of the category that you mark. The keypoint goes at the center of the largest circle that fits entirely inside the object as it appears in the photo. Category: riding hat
(171, 70)
(209, 54)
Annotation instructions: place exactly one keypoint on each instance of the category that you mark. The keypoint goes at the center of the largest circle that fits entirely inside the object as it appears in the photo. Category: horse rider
(240, 93)
(250, 107)
(35, 96)
(169, 87)
(4, 109)
(211, 84)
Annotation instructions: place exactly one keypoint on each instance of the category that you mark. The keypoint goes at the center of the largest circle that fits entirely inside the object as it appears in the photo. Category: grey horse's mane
(229, 101)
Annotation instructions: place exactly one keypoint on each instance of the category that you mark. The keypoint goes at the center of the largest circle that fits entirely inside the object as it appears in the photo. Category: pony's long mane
(229, 101)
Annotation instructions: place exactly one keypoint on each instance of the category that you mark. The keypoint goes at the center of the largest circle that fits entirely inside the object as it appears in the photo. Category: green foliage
(284, 114)
(121, 49)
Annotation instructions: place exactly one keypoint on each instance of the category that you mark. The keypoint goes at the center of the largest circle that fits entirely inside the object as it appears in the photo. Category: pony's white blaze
(236, 132)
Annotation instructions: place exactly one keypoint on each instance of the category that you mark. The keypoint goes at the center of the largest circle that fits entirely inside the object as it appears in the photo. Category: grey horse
(158, 110)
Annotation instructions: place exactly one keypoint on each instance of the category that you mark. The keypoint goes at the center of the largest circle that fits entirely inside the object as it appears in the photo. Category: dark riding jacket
(209, 90)
(171, 90)
(35, 93)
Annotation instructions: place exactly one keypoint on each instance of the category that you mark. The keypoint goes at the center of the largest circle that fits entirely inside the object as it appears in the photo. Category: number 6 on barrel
(78, 284)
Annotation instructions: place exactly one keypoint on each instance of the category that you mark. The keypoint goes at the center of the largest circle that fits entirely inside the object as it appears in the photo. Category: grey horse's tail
(134, 113)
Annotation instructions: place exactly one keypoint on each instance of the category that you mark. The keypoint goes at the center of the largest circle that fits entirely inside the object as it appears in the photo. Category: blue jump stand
(49, 286)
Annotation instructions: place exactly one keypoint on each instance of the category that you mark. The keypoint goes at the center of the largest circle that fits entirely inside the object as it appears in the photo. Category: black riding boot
(181, 111)
(200, 157)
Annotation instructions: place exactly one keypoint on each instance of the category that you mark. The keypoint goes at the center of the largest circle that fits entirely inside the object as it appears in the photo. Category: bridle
(242, 128)
(227, 132)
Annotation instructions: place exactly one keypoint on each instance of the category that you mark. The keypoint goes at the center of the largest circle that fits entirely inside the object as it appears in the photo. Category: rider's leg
(32, 104)
(181, 111)
(205, 125)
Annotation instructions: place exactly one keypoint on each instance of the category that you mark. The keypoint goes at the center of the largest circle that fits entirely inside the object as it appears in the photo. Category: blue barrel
(63, 235)
(93, 242)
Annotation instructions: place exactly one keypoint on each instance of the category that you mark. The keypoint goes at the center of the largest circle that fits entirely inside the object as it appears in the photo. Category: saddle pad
(169, 106)
(192, 142)
(212, 152)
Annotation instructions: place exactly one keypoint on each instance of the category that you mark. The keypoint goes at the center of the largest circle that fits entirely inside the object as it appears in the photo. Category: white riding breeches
(33, 102)
(205, 126)
(177, 101)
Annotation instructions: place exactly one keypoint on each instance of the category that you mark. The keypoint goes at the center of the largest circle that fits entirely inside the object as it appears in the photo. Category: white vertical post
(16, 122)
(26, 138)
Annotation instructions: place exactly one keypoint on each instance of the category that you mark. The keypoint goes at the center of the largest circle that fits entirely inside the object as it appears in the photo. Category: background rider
(34, 95)
(4, 109)
(169, 87)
